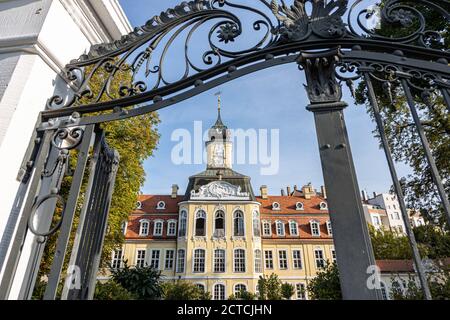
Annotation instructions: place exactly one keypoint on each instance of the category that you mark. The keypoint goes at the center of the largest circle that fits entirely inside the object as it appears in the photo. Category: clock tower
(219, 146)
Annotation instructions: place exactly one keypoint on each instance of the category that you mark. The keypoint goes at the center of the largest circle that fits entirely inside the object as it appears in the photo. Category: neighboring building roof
(390, 266)
(150, 202)
(288, 205)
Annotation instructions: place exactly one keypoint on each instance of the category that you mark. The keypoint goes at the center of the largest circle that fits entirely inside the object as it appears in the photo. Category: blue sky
(269, 99)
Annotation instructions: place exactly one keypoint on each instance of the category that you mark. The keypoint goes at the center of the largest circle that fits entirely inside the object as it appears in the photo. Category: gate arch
(328, 40)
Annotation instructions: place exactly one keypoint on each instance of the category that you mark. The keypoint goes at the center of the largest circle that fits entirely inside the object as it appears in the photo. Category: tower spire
(219, 124)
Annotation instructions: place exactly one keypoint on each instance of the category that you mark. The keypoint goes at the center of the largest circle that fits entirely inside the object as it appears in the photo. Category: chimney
(324, 192)
(288, 191)
(364, 195)
(374, 195)
(307, 191)
(295, 188)
(264, 194)
(175, 189)
(283, 193)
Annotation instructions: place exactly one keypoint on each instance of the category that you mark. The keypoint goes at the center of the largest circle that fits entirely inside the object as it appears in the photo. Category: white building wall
(390, 203)
(37, 38)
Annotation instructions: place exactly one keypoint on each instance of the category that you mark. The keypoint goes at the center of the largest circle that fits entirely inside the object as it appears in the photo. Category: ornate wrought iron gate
(411, 62)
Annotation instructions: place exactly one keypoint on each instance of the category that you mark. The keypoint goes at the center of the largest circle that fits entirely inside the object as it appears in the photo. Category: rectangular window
(297, 259)
(315, 231)
(154, 262)
(219, 261)
(301, 291)
(239, 260)
(170, 257)
(181, 260)
(320, 261)
(266, 229)
(199, 261)
(140, 258)
(280, 228)
(329, 229)
(116, 262)
(333, 255)
(282, 259)
(158, 228)
(268, 258)
(293, 228)
(258, 261)
(171, 228)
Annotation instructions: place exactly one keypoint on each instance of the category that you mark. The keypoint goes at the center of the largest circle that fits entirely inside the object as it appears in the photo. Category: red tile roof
(150, 202)
(288, 205)
(390, 266)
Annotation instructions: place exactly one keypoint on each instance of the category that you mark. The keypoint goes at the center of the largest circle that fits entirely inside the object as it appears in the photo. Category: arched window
(219, 260)
(219, 224)
(293, 228)
(238, 289)
(267, 228)
(239, 224)
(201, 287)
(280, 229)
(219, 292)
(183, 224)
(200, 224)
(315, 228)
(276, 206)
(144, 227)
(258, 261)
(161, 205)
(323, 206)
(138, 205)
(256, 224)
(158, 228)
(299, 206)
(172, 228)
(239, 260)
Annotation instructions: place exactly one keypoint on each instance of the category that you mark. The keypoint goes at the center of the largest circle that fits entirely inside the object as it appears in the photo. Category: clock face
(219, 155)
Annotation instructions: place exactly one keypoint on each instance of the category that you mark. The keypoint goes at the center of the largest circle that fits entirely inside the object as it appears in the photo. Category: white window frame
(236, 292)
(244, 260)
(283, 233)
(317, 260)
(124, 227)
(203, 216)
(293, 224)
(297, 259)
(243, 224)
(224, 291)
(181, 262)
(204, 261)
(333, 254)
(155, 224)
(264, 223)
(183, 223)
(154, 259)
(299, 206)
(224, 224)
(117, 259)
(276, 206)
(170, 259)
(224, 260)
(161, 205)
(271, 260)
(139, 261)
(141, 228)
(256, 224)
(316, 223)
(138, 205)
(173, 222)
(258, 265)
(329, 228)
(323, 206)
(298, 295)
(285, 259)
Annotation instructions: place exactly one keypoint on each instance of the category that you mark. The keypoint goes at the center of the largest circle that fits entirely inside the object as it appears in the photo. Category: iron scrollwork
(277, 29)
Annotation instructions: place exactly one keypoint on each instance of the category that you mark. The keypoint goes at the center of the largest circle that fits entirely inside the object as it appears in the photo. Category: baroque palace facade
(223, 237)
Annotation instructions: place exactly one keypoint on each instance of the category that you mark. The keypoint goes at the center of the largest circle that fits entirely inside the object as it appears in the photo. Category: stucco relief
(220, 190)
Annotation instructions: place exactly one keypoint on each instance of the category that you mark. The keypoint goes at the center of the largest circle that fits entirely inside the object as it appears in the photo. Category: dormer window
(293, 228)
(158, 228)
(161, 205)
(144, 228)
(267, 228)
(329, 229)
(299, 206)
(280, 228)
(323, 206)
(315, 228)
(138, 205)
(276, 206)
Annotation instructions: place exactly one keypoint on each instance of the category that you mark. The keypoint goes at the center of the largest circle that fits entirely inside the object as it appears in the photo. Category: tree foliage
(183, 290)
(419, 188)
(326, 285)
(111, 290)
(144, 283)
(271, 288)
(387, 245)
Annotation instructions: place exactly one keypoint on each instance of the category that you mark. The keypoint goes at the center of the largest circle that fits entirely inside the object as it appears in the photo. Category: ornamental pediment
(219, 190)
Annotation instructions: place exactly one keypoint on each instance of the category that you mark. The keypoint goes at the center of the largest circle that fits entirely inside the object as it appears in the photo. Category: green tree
(183, 290)
(326, 285)
(144, 283)
(439, 283)
(419, 188)
(111, 290)
(389, 246)
(269, 287)
(287, 291)
(434, 243)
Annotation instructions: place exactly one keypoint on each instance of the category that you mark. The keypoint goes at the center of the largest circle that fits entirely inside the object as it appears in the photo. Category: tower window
(239, 224)
(200, 224)
(219, 224)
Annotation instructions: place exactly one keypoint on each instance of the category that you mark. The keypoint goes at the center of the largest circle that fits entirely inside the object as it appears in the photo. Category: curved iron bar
(284, 30)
